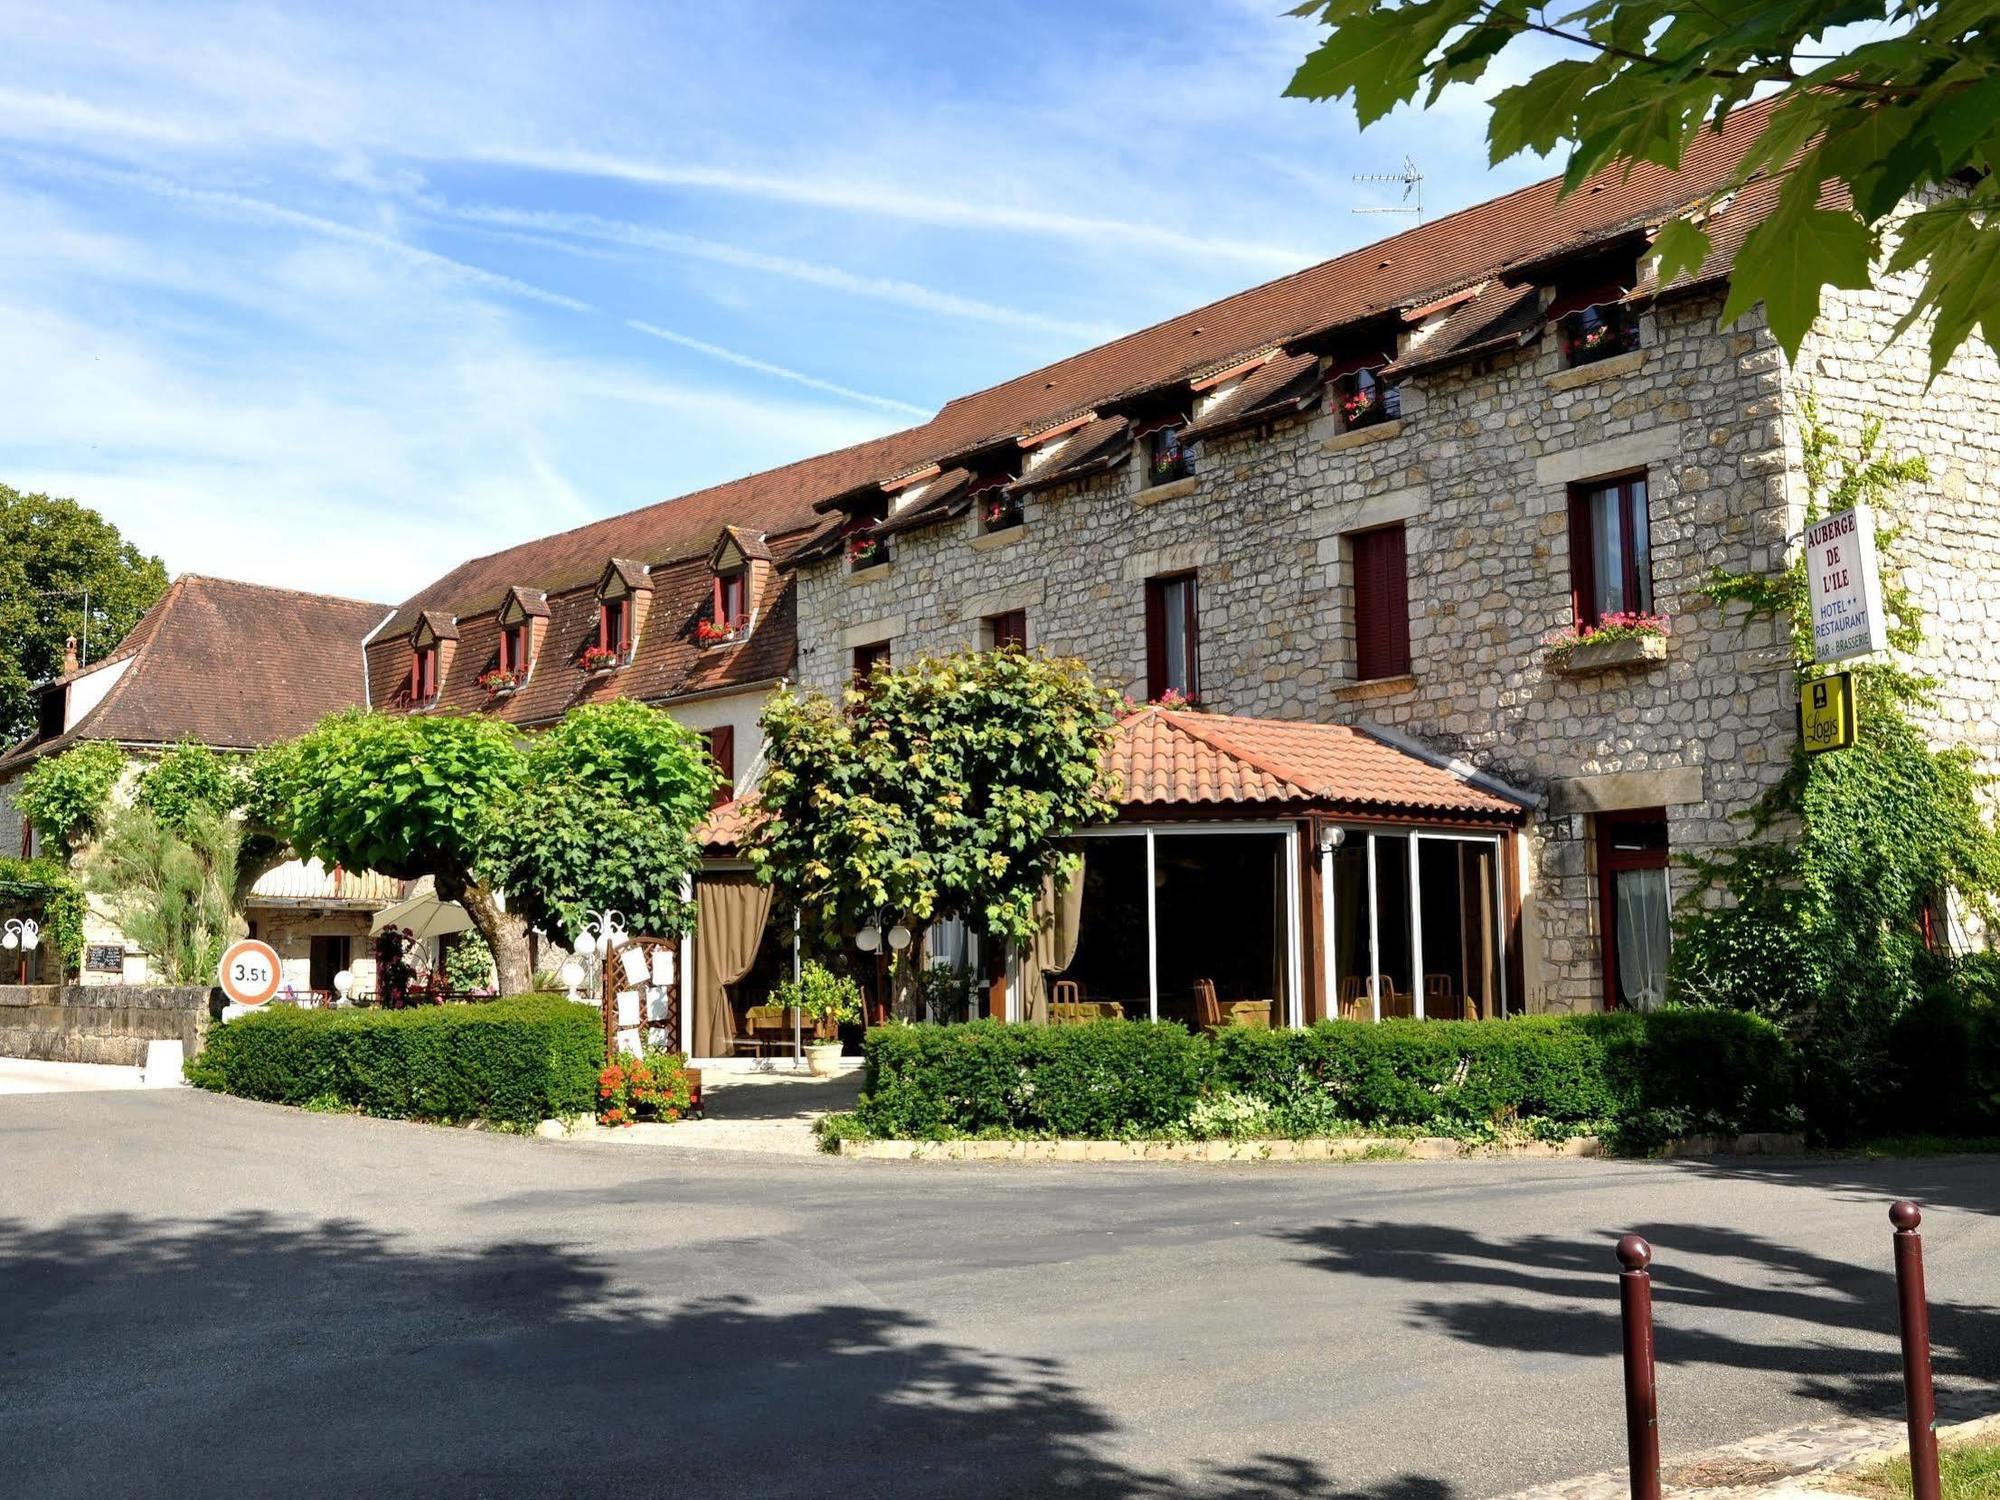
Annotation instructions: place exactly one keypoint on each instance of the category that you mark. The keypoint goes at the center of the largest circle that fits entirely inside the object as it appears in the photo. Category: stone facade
(1477, 469)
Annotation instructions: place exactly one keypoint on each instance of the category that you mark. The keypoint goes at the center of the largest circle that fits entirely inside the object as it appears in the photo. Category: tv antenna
(1413, 188)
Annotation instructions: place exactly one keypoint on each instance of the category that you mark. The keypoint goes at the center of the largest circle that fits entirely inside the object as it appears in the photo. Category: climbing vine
(65, 796)
(43, 890)
(1824, 918)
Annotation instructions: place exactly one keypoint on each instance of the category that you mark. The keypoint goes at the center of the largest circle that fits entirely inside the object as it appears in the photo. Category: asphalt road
(206, 1296)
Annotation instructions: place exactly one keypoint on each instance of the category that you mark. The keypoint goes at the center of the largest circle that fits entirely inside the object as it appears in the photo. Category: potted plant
(499, 681)
(864, 550)
(597, 659)
(826, 1000)
(709, 633)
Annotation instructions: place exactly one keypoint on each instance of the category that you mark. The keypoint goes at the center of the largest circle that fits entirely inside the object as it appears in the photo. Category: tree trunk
(906, 988)
(506, 932)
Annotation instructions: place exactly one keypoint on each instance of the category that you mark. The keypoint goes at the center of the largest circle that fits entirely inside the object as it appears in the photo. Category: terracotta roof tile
(1164, 758)
(233, 665)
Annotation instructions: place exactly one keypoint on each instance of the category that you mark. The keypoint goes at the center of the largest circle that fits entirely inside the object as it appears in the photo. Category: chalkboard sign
(104, 959)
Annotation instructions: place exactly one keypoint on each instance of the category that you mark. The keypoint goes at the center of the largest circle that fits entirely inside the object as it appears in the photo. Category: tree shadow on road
(1969, 1183)
(1722, 1297)
(257, 1355)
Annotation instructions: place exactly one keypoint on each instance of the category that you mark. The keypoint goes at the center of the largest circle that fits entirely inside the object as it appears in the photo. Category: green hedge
(1946, 1051)
(517, 1061)
(1104, 1080)
(1641, 1079)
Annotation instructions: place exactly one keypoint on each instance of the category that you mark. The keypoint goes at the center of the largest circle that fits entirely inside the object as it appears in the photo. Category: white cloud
(764, 367)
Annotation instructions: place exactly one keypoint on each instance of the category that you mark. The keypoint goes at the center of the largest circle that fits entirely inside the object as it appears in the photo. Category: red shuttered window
(1381, 604)
(1173, 638)
(722, 751)
(1007, 629)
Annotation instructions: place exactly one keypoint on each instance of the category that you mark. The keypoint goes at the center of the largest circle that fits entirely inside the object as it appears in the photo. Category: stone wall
(1477, 468)
(10, 821)
(1949, 551)
(99, 1025)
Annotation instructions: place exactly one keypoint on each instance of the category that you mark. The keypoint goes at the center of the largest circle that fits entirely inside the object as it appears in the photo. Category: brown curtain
(1058, 920)
(732, 909)
(1482, 956)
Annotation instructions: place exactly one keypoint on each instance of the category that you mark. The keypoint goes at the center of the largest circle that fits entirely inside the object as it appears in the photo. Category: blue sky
(335, 296)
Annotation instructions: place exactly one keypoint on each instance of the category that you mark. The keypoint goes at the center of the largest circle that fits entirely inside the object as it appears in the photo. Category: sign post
(1826, 713)
(248, 975)
(1844, 581)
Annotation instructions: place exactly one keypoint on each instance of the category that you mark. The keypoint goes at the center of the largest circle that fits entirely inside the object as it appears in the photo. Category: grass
(1966, 1471)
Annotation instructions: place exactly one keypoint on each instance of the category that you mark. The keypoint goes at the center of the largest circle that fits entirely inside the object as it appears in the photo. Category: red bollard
(1916, 1318)
(1642, 1408)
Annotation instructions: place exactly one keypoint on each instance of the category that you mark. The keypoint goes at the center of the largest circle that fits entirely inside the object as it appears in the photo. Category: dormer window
(1168, 455)
(523, 621)
(998, 509)
(431, 645)
(614, 627)
(865, 546)
(1362, 399)
(1598, 332)
(1590, 310)
(624, 593)
(741, 564)
(728, 610)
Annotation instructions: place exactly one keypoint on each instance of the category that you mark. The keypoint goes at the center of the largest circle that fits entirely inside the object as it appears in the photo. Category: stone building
(1344, 512)
(233, 666)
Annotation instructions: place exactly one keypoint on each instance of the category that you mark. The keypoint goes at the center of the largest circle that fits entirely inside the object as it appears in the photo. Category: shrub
(516, 1061)
(654, 1087)
(1639, 1078)
(1105, 1080)
(1946, 1051)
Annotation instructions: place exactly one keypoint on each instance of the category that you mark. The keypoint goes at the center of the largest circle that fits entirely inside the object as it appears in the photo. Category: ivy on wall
(66, 796)
(1824, 918)
(42, 889)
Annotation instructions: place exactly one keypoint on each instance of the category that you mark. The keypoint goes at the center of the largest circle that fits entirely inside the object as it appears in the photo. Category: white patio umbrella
(423, 916)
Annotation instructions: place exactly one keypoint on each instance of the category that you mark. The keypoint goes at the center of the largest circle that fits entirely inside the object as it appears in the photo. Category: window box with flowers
(1175, 698)
(708, 633)
(999, 511)
(500, 682)
(596, 661)
(1593, 333)
(1169, 456)
(1364, 401)
(1614, 642)
(866, 550)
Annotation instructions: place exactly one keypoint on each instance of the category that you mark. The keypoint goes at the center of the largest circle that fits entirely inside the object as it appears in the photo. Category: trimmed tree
(940, 789)
(604, 818)
(65, 797)
(597, 812)
(405, 794)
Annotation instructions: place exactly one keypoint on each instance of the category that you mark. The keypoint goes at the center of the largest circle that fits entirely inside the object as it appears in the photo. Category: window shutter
(1381, 604)
(1156, 638)
(722, 750)
(720, 611)
(1191, 602)
(1582, 551)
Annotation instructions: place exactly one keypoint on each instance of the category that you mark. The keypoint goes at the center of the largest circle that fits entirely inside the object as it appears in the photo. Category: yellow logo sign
(1826, 713)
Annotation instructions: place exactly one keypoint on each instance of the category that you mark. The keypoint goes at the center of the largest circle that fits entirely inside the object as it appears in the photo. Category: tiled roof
(232, 665)
(728, 826)
(1351, 296)
(1171, 758)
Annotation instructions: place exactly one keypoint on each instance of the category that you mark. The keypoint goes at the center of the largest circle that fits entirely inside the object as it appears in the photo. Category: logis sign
(1845, 586)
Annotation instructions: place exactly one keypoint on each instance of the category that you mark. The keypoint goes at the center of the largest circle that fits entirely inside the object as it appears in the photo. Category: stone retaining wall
(100, 1024)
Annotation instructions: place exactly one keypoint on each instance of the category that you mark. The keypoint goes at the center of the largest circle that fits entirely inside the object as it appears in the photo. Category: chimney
(69, 655)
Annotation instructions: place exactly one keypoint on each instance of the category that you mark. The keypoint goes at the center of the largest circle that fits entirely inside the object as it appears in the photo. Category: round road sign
(249, 972)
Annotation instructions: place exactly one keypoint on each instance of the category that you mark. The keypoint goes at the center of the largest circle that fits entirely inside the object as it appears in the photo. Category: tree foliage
(65, 797)
(189, 781)
(171, 887)
(1817, 919)
(597, 812)
(1915, 106)
(52, 551)
(941, 789)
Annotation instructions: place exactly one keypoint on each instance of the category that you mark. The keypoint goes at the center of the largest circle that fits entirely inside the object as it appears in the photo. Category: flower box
(499, 682)
(1614, 643)
(864, 551)
(598, 660)
(708, 633)
(1001, 513)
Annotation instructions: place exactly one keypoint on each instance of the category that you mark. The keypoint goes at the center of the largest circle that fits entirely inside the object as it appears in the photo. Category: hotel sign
(1845, 586)
(1826, 713)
